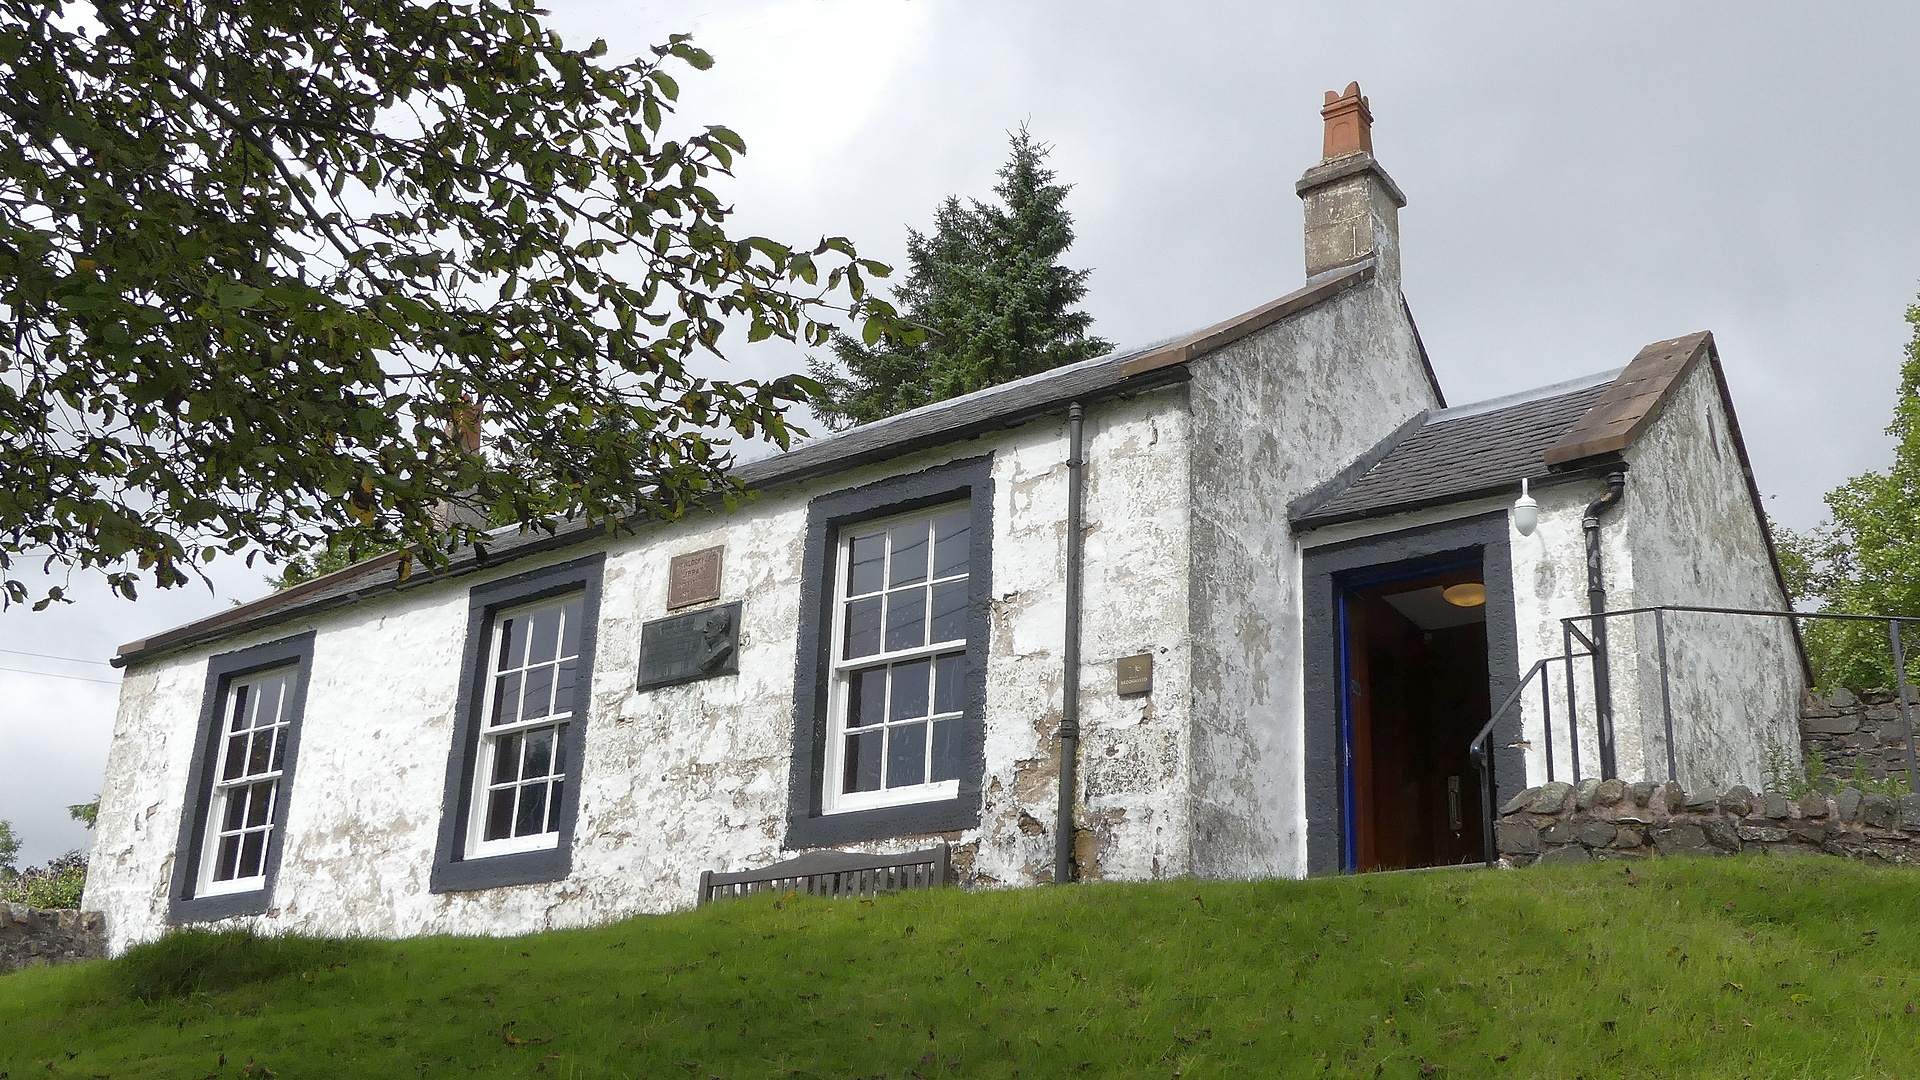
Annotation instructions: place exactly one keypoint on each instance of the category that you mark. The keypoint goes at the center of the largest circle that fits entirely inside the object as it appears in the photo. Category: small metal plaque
(693, 578)
(1135, 674)
(690, 646)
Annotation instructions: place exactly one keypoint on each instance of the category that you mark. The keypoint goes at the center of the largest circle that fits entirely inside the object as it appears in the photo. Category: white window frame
(487, 738)
(834, 800)
(224, 790)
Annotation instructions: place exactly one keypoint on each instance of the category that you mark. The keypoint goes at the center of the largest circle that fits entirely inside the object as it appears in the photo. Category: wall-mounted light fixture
(1526, 512)
(1465, 594)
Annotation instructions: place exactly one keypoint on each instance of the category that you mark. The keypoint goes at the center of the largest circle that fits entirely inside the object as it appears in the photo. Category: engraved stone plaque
(693, 645)
(693, 578)
(1135, 674)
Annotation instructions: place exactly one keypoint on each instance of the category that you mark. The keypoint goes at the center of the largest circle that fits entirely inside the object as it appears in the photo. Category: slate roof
(1455, 454)
(1114, 375)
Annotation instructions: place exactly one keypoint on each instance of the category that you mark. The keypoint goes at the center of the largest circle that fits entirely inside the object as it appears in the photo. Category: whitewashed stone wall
(685, 778)
(1274, 416)
(1684, 533)
(1736, 682)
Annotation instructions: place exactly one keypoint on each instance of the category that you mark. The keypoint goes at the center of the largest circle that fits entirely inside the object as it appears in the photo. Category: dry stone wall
(1849, 737)
(34, 936)
(1561, 823)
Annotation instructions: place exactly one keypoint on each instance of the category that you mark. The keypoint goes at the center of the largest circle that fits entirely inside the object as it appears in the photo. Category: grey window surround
(452, 870)
(807, 827)
(1322, 572)
(182, 905)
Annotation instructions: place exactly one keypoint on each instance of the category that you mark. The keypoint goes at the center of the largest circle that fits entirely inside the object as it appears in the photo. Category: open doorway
(1414, 660)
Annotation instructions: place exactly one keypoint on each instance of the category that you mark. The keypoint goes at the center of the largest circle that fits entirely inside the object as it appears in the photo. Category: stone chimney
(1352, 205)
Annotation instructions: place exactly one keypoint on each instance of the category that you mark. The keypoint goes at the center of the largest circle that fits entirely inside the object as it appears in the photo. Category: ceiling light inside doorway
(1466, 594)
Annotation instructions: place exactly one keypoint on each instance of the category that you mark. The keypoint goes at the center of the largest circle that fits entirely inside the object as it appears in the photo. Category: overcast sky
(1581, 180)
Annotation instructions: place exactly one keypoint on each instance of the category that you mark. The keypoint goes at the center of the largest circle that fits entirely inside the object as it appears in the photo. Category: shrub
(55, 885)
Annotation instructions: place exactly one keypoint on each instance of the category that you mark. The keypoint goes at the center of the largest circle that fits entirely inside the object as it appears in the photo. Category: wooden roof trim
(1181, 350)
(243, 613)
(1634, 401)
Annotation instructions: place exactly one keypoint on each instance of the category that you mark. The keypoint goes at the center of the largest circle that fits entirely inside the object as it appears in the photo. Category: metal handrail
(1572, 635)
(1604, 723)
(1483, 761)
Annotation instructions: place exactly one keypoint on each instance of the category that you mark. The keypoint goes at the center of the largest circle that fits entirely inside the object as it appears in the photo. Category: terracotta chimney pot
(1349, 123)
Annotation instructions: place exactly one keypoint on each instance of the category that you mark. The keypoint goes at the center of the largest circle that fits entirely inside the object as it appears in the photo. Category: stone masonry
(1611, 819)
(33, 936)
(1854, 737)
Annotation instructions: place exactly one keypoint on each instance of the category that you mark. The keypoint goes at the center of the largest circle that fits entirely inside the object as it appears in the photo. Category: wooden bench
(835, 873)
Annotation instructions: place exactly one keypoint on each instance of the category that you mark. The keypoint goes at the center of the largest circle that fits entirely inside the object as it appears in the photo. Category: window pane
(279, 748)
(559, 749)
(946, 750)
(234, 814)
(909, 689)
(506, 759)
(229, 855)
(500, 813)
(553, 806)
(867, 697)
(266, 703)
(570, 627)
(906, 755)
(950, 543)
(513, 645)
(242, 719)
(259, 804)
(506, 699)
(537, 698)
(863, 762)
(863, 628)
(252, 853)
(543, 635)
(865, 564)
(260, 753)
(908, 563)
(532, 817)
(949, 683)
(539, 753)
(906, 619)
(563, 688)
(949, 611)
(236, 756)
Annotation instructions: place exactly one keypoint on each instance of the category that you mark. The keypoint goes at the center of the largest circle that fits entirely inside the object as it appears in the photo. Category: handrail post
(1546, 719)
(1906, 710)
(1666, 691)
(1486, 805)
(1573, 704)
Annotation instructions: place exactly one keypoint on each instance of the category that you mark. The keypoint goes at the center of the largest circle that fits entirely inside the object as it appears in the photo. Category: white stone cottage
(1297, 595)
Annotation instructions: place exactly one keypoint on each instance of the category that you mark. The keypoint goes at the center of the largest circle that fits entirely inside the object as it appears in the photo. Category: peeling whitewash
(680, 779)
(1275, 416)
(1685, 532)
(1189, 556)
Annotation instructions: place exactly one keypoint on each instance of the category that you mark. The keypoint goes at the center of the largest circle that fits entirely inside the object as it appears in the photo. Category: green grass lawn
(1674, 968)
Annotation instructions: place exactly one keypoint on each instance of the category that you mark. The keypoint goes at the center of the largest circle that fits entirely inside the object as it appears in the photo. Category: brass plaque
(693, 578)
(1135, 674)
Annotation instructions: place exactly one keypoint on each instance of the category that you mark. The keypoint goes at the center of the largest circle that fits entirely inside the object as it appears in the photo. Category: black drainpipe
(1070, 658)
(1597, 603)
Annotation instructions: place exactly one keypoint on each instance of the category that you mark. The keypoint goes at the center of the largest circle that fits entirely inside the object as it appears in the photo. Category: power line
(52, 675)
(51, 656)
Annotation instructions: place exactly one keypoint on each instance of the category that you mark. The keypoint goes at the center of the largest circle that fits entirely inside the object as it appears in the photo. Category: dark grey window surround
(452, 871)
(1323, 568)
(807, 827)
(182, 905)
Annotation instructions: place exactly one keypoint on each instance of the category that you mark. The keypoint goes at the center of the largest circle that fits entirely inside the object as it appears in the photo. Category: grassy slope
(1673, 968)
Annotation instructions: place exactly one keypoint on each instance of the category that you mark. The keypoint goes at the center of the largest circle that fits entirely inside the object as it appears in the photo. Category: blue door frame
(1347, 584)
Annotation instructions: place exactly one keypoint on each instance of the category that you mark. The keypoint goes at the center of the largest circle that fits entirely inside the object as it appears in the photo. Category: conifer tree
(988, 290)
